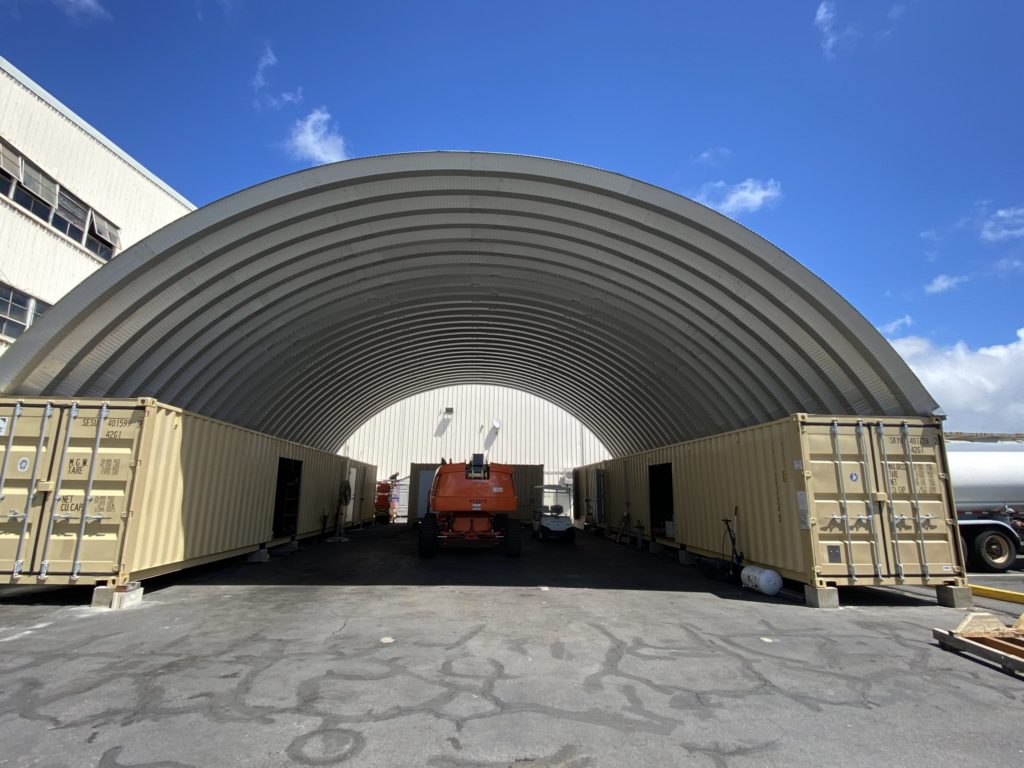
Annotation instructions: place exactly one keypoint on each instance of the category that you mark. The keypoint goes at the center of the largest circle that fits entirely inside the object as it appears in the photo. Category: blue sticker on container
(854, 477)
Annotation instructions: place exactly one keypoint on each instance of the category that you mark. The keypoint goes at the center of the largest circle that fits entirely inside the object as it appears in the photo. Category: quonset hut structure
(650, 318)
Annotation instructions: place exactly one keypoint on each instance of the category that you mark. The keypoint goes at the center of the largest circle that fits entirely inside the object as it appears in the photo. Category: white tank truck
(988, 485)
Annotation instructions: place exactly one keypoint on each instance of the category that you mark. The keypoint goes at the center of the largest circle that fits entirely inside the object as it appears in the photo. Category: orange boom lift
(471, 505)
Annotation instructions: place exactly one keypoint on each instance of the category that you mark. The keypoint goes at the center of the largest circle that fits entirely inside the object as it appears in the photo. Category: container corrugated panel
(134, 488)
(526, 478)
(743, 477)
(369, 488)
(826, 500)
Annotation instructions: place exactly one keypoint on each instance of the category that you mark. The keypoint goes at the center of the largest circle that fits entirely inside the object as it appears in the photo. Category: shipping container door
(916, 509)
(849, 531)
(27, 436)
(86, 509)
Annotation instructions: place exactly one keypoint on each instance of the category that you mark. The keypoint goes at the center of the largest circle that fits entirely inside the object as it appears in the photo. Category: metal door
(873, 517)
(843, 474)
(28, 434)
(90, 482)
(916, 504)
(71, 469)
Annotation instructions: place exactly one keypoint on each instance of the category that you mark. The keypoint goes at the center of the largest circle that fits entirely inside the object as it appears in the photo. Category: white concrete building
(70, 200)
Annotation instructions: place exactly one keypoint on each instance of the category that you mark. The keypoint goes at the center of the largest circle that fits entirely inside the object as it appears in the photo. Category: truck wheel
(570, 537)
(500, 521)
(993, 551)
(428, 536)
(514, 540)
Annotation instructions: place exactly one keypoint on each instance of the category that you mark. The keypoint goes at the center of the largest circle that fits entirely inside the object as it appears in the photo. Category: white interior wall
(532, 431)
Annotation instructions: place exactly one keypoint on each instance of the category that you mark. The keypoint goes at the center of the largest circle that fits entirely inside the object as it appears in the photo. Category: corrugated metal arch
(303, 306)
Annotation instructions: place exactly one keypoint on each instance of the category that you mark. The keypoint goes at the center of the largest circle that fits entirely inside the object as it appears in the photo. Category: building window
(70, 216)
(39, 194)
(10, 167)
(18, 311)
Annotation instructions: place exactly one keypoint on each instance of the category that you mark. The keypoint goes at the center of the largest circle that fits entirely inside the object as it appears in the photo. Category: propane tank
(761, 580)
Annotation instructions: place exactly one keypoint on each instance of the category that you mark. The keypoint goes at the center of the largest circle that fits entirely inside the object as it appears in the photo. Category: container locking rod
(7, 450)
(916, 506)
(76, 566)
(44, 565)
(837, 450)
(889, 504)
(31, 496)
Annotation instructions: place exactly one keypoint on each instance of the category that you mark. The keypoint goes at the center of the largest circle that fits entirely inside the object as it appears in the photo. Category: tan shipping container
(823, 500)
(114, 491)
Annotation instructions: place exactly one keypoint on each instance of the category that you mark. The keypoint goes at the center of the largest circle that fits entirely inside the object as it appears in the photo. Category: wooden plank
(948, 640)
(1004, 645)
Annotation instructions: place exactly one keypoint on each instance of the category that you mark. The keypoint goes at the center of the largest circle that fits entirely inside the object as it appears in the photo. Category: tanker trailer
(988, 485)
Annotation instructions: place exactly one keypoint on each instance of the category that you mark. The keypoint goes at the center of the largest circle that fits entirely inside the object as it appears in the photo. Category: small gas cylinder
(761, 580)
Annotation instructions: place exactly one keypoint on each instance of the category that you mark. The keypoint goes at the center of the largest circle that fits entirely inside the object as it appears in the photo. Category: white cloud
(980, 390)
(747, 196)
(932, 235)
(267, 59)
(1004, 224)
(825, 21)
(713, 156)
(900, 322)
(943, 283)
(83, 8)
(1008, 265)
(313, 138)
(896, 11)
(264, 99)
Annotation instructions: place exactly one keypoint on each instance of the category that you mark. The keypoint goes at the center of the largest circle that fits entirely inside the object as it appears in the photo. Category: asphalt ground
(361, 654)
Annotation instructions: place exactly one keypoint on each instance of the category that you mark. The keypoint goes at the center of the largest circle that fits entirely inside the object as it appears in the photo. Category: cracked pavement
(360, 654)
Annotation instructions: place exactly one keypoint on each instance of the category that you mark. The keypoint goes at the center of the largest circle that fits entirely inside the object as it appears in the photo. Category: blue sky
(878, 143)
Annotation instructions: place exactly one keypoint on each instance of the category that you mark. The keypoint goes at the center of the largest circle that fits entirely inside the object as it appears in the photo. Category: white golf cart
(552, 523)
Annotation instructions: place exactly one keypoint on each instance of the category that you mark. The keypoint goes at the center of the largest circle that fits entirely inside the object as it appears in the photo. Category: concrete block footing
(261, 555)
(821, 597)
(687, 558)
(119, 596)
(292, 546)
(954, 597)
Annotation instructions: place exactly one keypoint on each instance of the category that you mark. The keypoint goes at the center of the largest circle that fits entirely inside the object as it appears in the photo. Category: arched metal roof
(303, 306)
